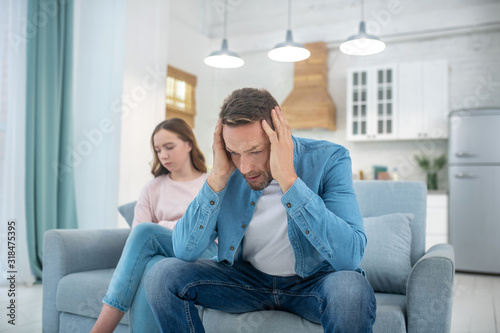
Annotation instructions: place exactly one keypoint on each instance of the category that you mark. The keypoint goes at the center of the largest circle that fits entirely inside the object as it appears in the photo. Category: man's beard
(265, 183)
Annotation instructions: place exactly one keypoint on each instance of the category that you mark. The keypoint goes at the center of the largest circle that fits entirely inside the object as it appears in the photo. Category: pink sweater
(164, 201)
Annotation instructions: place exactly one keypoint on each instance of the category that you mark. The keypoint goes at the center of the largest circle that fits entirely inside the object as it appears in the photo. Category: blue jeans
(341, 301)
(147, 244)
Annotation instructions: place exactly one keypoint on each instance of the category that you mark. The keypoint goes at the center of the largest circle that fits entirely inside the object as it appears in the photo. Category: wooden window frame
(176, 106)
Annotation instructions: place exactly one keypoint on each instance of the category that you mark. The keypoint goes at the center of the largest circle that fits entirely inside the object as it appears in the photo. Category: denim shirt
(325, 226)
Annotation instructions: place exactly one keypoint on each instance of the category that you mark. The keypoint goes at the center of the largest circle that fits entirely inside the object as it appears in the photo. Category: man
(289, 229)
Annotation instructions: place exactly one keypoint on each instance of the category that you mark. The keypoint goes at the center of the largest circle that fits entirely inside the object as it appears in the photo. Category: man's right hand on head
(223, 165)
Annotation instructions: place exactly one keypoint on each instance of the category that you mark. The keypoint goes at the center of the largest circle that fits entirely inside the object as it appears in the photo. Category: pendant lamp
(289, 51)
(224, 58)
(362, 44)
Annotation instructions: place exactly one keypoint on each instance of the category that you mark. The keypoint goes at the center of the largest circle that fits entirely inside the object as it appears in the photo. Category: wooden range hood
(309, 105)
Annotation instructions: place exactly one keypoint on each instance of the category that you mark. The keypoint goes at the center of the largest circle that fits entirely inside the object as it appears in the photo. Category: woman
(180, 172)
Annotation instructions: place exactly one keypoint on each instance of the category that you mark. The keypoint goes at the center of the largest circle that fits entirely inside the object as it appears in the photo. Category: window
(180, 95)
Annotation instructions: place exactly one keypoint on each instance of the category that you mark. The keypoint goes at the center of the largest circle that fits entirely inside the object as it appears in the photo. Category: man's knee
(349, 302)
(349, 287)
(161, 278)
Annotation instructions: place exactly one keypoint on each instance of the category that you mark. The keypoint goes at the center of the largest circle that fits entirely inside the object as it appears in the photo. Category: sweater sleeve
(143, 211)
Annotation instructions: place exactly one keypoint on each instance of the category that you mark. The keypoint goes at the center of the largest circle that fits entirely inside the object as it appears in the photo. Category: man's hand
(223, 165)
(281, 157)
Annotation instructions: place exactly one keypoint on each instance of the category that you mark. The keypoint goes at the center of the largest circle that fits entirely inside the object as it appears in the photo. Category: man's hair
(247, 106)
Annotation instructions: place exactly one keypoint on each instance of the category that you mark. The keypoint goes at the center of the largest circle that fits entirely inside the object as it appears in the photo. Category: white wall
(143, 102)
(98, 74)
(187, 49)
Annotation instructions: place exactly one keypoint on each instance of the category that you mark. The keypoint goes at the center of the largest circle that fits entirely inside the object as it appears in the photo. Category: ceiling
(332, 20)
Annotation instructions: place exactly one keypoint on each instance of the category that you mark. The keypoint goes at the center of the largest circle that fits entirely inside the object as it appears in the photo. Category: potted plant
(431, 168)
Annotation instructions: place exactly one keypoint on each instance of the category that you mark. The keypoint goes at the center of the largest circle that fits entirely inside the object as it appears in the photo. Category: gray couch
(414, 289)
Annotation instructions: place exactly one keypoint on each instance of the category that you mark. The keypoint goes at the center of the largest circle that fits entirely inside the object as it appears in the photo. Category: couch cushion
(387, 255)
(127, 211)
(82, 293)
(77, 324)
(391, 309)
(215, 321)
(391, 313)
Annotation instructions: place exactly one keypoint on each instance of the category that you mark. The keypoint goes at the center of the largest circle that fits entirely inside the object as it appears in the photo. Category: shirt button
(252, 203)
(243, 226)
(289, 205)
(201, 227)
(231, 248)
(212, 202)
(307, 232)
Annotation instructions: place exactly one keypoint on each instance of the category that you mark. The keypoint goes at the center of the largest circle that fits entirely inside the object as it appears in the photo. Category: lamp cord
(362, 10)
(225, 18)
(289, 14)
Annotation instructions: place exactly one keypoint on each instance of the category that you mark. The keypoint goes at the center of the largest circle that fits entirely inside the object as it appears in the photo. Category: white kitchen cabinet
(398, 102)
(437, 219)
(371, 100)
(423, 100)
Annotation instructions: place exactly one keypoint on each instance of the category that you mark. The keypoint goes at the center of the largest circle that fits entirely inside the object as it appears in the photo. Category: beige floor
(476, 306)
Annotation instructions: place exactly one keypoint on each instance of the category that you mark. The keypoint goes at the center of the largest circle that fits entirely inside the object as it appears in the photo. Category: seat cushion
(73, 323)
(387, 258)
(391, 313)
(215, 321)
(391, 309)
(82, 293)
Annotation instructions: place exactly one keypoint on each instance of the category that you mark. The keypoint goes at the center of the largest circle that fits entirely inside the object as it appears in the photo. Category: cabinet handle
(464, 154)
(462, 175)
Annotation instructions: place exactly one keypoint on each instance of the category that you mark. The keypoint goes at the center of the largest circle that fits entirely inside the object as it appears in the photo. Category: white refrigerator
(474, 181)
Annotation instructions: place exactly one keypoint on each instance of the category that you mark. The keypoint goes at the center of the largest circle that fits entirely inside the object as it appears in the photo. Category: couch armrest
(70, 251)
(429, 291)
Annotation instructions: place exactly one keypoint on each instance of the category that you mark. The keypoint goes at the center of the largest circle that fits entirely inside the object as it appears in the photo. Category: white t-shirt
(266, 244)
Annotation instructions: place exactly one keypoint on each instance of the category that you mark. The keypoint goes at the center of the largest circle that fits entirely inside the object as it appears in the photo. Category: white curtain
(13, 250)
(99, 35)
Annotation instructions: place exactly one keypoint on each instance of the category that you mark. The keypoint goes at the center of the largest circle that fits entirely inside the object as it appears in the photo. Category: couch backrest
(378, 198)
(375, 198)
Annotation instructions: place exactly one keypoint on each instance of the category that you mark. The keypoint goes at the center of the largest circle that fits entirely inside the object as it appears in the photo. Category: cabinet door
(410, 100)
(357, 104)
(435, 99)
(423, 100)
(384, 109)
(371, 103)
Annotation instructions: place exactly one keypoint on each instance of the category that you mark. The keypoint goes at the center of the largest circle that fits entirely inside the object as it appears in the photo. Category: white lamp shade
(224, 61)
(224, 58)
(289, 51)
(362, 44)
